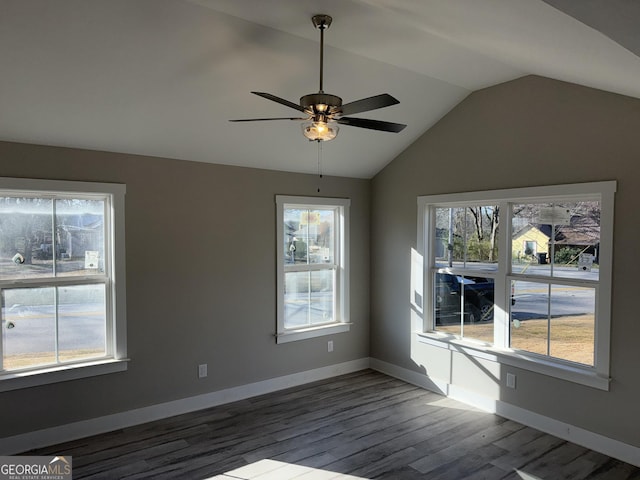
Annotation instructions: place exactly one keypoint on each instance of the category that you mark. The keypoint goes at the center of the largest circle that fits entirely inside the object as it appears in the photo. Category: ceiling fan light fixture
(319, 130)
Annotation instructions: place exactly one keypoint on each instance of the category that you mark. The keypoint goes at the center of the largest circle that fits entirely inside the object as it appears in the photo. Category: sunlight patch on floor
(274, 470)
(454, 405)
(527, 476)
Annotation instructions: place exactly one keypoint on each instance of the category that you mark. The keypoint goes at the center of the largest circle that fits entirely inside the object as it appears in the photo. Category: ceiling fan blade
(370, 103)
(266, 119)
(372, 124)
(279, 100)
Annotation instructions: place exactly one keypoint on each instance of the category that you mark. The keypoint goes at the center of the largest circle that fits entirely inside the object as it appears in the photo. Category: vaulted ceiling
(163, 77)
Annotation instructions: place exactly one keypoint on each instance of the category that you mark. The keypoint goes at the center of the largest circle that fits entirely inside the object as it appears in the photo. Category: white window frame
(596, 376)
(115, 359)
(341, 254)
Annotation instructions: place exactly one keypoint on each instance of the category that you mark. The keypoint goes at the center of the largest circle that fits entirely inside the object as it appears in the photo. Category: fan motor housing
(313, 100)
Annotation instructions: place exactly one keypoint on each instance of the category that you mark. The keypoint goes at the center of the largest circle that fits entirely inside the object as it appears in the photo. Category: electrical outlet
(511, 380)
(330, 346)
(202, 370)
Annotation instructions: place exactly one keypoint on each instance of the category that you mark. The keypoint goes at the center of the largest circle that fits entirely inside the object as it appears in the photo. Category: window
(530, 247)
(312, 255)
(61, 250)
(524, 274)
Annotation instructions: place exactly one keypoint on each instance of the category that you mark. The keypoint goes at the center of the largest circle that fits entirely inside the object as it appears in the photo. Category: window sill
(59, 373)
(573, 373)
(303, 334)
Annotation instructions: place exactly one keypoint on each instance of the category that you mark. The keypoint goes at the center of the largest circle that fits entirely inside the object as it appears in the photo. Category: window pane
(577, 242)
(321, 305)
(464, 306)
(529, 316)
(555, 320)
(82, 322)
(530, 239)
(79, 237)
(467, 237)
(556, 239)
(296, 299)
(572, 331)
(28, 327)
(309, 298)
(449, 237)
(309, 235)
(26, 235)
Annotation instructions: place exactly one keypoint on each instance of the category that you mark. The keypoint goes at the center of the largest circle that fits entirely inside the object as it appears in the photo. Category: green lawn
(572, 338)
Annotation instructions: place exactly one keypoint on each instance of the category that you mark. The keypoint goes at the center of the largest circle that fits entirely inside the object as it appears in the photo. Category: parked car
(478, 298)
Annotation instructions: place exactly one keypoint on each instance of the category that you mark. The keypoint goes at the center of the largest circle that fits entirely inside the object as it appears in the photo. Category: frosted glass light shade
(320, 131)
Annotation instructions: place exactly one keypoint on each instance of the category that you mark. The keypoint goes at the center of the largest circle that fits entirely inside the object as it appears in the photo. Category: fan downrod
(321, 22)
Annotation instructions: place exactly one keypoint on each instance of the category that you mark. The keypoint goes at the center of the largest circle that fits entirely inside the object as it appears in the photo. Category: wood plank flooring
(364, 425)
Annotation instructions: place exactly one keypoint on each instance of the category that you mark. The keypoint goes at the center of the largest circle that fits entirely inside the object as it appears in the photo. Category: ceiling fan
(325, 111)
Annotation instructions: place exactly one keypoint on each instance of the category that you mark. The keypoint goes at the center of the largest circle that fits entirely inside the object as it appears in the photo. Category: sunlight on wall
(453, 364)
(440, 363)
(274, 470)
(417, 280)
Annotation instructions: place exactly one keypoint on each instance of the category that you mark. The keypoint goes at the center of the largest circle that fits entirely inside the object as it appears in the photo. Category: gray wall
(200, 244)
(531, 131)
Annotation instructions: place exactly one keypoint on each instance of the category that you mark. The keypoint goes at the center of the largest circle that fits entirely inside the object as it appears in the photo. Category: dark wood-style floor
(362, 425)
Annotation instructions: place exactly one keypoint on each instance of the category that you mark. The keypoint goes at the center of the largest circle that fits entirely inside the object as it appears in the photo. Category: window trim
(116, 286)
(342, 323)
(597, 376)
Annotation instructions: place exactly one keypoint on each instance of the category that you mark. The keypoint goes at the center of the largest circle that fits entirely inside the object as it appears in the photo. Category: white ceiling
(163, 77)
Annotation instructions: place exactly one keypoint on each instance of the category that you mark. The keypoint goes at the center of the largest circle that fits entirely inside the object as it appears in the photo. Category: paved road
(561, 272)
(80, 327)
(532, 301)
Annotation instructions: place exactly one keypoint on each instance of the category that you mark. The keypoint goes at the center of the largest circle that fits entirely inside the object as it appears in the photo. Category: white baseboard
(593, 441)
(72, 431)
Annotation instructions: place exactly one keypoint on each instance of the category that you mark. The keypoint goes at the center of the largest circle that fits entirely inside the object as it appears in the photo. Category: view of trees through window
(551, 284)
(466, 240)
(467, 234)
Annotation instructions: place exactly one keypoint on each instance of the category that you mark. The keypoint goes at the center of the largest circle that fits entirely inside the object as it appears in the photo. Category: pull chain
(319, 162)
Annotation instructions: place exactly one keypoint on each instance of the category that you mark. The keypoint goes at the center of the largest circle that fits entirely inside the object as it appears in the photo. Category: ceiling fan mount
(325, 111)
(321, 21)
